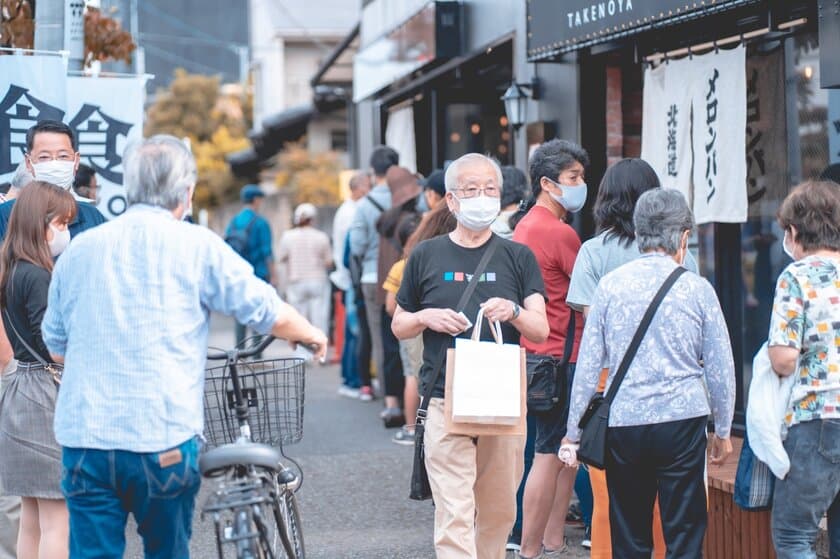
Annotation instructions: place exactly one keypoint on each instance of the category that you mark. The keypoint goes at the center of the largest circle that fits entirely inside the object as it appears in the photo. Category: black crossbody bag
(420, 488)
(548, 386)
(595, 420)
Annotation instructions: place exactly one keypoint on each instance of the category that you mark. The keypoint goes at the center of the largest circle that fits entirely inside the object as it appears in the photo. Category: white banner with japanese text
(106, 114)
(719, 92)
(666, 124)
(32, 88)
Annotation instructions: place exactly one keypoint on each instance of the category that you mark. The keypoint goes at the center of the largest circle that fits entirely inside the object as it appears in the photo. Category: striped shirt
(306, 252)
(128, 308)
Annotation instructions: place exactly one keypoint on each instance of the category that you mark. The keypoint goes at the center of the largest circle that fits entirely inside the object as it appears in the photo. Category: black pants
(664, 458)
(363, 344)
(392, 376)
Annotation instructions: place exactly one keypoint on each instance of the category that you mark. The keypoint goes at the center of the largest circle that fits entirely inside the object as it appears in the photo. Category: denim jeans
(103, 486)
(811, 488)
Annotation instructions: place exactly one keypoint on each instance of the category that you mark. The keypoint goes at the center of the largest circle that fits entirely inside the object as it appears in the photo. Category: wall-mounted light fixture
(516, 101)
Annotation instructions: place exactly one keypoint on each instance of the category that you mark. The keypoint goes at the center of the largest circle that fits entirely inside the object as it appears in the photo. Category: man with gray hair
(473, 479)
(129, 418)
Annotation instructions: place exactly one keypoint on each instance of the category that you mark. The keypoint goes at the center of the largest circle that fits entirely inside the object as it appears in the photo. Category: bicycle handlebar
(250, 352)
(241, 353)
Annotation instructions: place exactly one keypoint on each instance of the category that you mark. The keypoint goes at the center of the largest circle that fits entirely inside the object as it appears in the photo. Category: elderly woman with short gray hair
(656, 442)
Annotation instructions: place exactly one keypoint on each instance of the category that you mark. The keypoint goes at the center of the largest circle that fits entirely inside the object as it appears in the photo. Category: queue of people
(405, 253)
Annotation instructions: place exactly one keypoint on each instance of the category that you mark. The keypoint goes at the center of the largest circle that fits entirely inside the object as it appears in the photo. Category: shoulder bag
(595, 420)
(548, 380)
(420, 488)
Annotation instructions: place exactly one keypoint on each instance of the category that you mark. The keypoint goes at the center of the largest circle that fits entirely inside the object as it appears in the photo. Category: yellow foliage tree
(195, 107)
(310, 177)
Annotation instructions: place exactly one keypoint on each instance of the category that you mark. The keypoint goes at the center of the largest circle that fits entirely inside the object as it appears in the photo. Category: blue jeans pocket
(172, 480)
(829, 447)
(73, 480)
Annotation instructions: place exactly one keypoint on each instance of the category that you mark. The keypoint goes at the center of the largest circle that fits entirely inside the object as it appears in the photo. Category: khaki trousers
(474, 482)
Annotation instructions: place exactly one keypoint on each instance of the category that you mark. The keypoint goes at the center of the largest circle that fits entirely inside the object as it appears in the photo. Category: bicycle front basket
(273, 390)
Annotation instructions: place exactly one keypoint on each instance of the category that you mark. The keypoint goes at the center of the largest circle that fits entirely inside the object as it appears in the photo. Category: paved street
(354, 500)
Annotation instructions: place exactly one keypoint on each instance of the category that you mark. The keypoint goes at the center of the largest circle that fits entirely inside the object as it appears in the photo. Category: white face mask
(573, 197)
(59, 173)
(60, 240)
(476, 214)
(788, 250)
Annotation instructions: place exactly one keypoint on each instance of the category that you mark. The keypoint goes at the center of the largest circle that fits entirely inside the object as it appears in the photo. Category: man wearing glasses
(473, 479)
(51, 156)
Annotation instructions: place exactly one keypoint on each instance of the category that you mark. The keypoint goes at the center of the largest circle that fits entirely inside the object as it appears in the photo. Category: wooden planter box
(734, 533)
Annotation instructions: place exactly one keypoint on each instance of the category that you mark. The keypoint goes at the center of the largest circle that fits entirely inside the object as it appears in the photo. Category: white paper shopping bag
(486, 379)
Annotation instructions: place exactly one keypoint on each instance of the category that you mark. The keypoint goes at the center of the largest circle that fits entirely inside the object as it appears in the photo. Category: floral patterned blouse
(806, 316)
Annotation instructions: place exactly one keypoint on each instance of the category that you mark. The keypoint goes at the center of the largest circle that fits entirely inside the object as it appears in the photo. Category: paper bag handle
(495, 328)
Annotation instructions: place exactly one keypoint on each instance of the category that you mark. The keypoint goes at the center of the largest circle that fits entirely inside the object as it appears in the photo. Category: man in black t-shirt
(473, 480)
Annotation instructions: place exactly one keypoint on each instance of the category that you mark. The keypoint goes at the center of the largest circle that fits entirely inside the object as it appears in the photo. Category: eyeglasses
(471, 190)
(46, 157)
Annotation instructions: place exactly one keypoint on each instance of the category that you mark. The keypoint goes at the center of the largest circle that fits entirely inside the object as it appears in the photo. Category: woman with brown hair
(434, 223)
(30, 461)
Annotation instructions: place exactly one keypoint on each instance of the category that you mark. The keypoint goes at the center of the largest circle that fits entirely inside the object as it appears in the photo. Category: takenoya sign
(555, 27)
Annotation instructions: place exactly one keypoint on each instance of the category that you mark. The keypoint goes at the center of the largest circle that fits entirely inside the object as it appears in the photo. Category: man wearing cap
(307, 257)
(250, 235)
(434, 188)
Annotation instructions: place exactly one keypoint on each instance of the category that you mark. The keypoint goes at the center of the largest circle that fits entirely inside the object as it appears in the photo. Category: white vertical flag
(666, 124)
(719, 94)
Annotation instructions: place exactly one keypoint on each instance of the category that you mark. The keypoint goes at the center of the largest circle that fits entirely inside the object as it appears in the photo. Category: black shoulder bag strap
(570, 338)
(465, 297)
(376, 204)
(640, 333)
(49, 367)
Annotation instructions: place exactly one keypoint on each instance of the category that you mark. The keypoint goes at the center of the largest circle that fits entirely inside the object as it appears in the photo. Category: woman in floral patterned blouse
(805, 340)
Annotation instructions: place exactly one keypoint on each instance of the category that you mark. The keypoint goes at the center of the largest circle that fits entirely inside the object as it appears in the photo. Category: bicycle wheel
(286, 514)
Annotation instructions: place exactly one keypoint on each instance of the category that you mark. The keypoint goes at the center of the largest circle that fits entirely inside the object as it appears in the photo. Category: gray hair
(159, 171)
(22, 176)
(660, 219)
(358, 179)
(450, 178)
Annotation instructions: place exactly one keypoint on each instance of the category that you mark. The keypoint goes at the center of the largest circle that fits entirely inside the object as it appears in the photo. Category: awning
(286, 126)
(555, 27)
(337, 68)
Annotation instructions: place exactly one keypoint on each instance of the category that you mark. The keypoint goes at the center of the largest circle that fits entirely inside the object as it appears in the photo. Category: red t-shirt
(555, 244)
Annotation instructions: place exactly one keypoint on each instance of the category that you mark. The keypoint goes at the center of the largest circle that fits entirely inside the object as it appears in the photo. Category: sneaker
(365, 394)
(557, 553)
(404, 437)
(587, 538)
(393, 418)
(512, 546)
(574, 516)
(348, 392)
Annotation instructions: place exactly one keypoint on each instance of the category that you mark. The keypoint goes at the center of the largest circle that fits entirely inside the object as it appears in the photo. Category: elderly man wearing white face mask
(51, 157)
(473, 479)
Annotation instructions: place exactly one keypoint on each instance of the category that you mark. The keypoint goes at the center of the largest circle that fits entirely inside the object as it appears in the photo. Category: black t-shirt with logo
(436, 275)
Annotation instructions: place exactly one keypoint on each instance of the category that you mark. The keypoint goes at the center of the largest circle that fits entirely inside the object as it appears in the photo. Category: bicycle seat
(216, 461)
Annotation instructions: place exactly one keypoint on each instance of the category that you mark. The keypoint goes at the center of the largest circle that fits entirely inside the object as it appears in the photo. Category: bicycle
(253, 505)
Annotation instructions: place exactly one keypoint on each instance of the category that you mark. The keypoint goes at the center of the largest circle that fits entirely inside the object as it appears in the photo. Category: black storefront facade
(474, 50)
(787, 74)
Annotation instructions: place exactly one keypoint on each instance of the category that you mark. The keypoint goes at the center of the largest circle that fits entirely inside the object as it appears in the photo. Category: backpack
(238, 238)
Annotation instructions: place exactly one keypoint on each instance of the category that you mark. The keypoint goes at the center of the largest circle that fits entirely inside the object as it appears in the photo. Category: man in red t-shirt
(557, 178)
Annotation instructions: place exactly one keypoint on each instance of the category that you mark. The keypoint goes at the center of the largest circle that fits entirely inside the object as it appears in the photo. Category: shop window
(338, 140)
(480, 128)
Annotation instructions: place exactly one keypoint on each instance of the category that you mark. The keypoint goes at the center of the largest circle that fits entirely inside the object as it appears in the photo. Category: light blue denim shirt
(666, 381)
(128, 308)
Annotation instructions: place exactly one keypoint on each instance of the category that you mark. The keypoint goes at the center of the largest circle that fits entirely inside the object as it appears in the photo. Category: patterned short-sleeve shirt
(806, 316)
